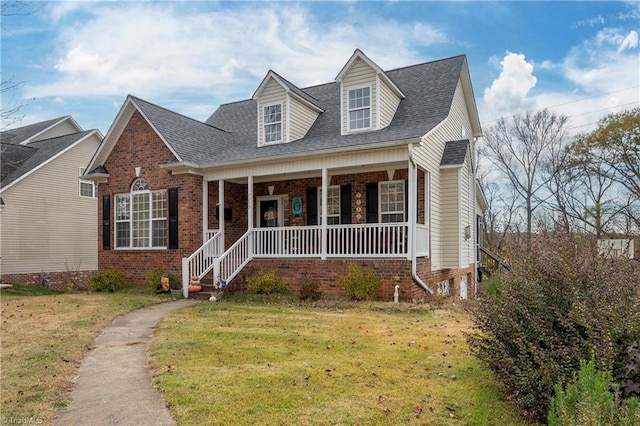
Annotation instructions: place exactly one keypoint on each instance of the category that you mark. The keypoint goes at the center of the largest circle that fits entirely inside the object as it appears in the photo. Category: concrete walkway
(114, 383)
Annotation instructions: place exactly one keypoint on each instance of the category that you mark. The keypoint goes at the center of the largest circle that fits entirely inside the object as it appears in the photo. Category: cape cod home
(374, 168)
(47, 215)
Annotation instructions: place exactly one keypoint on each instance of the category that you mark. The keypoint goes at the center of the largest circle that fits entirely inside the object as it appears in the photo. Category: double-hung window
(272, 123)
(141, 217)
(360, 108)
(392, 201)
(87, 188)
(333, 204)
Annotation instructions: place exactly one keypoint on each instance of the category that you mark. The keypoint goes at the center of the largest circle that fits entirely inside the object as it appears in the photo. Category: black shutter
(173, 218)
(345, 204)
(312, 205)
(106, 228)
(372, 202)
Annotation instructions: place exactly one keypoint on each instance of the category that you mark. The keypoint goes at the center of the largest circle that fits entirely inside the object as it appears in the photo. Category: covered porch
(364, 213)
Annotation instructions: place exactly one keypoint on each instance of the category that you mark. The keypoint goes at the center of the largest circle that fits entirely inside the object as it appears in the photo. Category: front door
(268, 213)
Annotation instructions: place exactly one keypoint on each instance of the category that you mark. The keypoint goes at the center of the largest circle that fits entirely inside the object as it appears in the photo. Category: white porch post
(221, 213)
(411, 214)
(205, 209)
(250, 212)
(323, 227)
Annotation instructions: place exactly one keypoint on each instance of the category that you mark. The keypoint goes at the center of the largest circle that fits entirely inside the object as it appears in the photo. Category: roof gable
(39, 131)
(358, 54)
(190, 141)
(20, 161)
(289, 87)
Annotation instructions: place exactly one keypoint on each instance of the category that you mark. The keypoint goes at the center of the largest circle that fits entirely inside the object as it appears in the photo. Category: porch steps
(207, 291)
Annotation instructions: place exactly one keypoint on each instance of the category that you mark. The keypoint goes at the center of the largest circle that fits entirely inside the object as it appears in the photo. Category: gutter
(414, 263)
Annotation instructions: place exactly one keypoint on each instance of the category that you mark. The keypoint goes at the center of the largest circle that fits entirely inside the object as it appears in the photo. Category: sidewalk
(114, 382)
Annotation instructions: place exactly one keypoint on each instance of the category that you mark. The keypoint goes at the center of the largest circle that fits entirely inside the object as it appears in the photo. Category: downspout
(414, 263)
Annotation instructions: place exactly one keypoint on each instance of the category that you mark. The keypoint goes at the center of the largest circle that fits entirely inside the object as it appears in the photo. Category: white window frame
(334, 215)
(149, 218)
(266, 124)
(356, 109)
(82, 182)
(383, 206)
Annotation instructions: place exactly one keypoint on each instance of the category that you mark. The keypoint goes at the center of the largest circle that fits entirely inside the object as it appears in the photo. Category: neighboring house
(620, 247)
(375, 168)
(48, 215)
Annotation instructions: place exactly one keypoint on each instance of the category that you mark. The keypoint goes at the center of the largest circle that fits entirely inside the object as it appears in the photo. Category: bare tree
(522, 149)
(499, 215)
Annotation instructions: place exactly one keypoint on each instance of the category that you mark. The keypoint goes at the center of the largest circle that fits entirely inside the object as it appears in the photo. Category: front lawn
(341, 363)
(44, 336)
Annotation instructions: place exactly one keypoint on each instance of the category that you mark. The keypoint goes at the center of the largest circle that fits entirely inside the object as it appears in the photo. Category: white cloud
(154, 49)
(629, 42)
(508, 93)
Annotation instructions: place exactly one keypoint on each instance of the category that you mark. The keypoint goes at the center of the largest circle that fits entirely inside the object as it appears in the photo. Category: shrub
(360, 283)
(266, 282)
(110, 280)
(310, 289)
(592, 400)
(560, 303)
(154, 277)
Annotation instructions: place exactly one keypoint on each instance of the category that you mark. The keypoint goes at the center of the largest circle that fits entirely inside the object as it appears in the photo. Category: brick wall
(140, 146)
(71, 280)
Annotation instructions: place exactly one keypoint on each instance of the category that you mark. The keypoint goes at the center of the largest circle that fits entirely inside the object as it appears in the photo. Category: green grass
(44, 337)
(345, 363)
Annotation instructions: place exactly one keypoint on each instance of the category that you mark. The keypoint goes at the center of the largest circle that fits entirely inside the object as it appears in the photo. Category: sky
(580, 59)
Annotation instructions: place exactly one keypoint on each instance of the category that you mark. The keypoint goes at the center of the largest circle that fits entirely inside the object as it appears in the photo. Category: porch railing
(202, 260)
(356, 240)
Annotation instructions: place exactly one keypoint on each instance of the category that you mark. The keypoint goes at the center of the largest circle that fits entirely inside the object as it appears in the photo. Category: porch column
(249, 202)
(250, 213)
(323, 227)
(221, 212)
(205, 209)
(412, 176)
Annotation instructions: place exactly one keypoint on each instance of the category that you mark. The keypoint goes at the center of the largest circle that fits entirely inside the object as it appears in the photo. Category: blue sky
(580, 59)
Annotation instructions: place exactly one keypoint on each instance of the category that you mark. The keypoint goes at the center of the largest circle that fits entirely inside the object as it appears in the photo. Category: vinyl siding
(388, 104)
(61, 129)
(359, 75)
(273, 93)
(301, 119)
(46, 225)
(428, 155)
(452, 233)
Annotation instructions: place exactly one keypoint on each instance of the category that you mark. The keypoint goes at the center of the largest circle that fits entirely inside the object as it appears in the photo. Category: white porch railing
(357, 240)
(367, 240)
(202, 260)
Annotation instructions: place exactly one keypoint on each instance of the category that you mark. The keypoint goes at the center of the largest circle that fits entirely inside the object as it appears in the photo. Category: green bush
(310, 289)
(154, 277)
(266, 282)
(110, 280)
(592, 400)
(360, 283)
(561, 302)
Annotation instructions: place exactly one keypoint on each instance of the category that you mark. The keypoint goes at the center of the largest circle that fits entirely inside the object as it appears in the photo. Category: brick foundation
(73, 280)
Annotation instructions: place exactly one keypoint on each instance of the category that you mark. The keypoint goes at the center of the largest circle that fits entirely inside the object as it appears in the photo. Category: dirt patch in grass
(324, 363)
(44, 337)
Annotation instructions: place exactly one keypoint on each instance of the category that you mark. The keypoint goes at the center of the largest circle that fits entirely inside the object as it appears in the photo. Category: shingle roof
(18, 160)
(20, 134)
(295, 89)
(454, 153)
(429, 90)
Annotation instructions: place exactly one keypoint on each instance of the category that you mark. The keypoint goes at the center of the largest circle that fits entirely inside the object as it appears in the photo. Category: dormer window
(273, 123)
(360, 108)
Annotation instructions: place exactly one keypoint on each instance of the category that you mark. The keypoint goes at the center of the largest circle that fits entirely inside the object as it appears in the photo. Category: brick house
(375, 168)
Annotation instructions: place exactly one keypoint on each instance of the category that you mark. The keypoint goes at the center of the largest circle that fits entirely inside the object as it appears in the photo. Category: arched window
(141, 217)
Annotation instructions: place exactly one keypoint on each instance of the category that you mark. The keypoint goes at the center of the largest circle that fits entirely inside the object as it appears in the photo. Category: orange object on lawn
(194, 288)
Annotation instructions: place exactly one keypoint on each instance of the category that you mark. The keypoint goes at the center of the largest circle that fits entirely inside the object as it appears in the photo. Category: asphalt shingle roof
(20, 134)
(18, 160)
(230, 133)
(454, 153)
